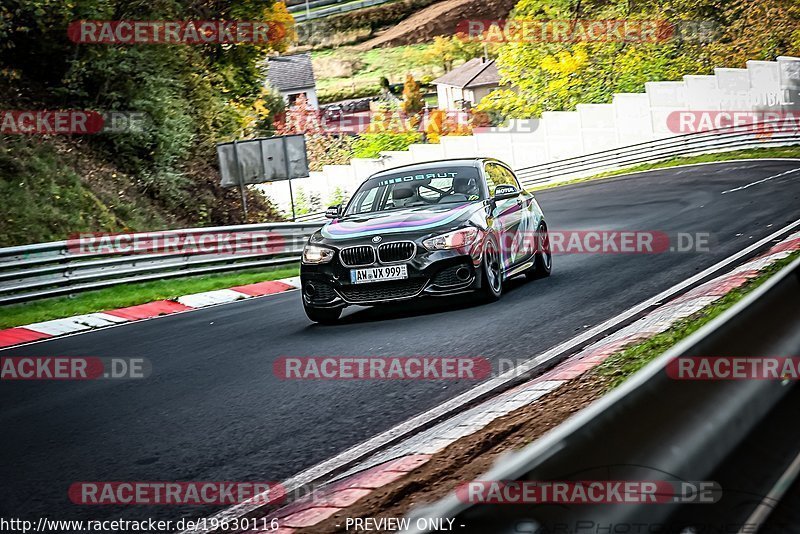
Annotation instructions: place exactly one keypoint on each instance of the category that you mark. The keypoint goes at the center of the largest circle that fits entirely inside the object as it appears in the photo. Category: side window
(365, 202)
(491, 177)
(499, 175)
(510, 178)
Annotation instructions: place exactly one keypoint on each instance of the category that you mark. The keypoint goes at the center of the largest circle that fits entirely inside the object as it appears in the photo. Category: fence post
(240, 176)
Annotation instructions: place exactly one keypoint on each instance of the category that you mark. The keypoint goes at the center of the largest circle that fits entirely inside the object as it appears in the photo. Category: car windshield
(423, 187)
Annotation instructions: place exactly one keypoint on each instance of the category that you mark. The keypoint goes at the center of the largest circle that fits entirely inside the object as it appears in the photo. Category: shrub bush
(370, 145)
(193, 96)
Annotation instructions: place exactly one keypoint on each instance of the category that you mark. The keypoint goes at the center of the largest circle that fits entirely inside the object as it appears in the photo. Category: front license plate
(379, 274)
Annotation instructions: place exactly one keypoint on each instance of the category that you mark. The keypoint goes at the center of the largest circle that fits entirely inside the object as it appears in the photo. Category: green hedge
(371, 145)
(326, 96)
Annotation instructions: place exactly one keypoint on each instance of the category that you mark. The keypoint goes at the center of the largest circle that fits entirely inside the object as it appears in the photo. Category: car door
(525, 234)
(511, 215)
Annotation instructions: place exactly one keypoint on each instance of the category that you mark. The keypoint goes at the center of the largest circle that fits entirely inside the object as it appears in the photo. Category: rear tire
(543, 258)
(492, 287)
(323, 315)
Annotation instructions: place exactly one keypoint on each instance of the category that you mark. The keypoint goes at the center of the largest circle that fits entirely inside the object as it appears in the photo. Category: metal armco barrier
(782, 132)
(49, 269)
(657, 428)
(300, 14)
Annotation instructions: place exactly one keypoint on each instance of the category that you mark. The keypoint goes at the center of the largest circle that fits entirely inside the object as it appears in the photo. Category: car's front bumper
(442, 272)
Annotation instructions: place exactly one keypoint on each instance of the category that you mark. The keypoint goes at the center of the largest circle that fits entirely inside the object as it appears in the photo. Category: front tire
(492, 287)
(543, 259)
(323, 315)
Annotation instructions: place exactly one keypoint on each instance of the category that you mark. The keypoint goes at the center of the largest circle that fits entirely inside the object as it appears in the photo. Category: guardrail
(318, 216)
(94, 261)
(657, 428)
(772, 133)
(300, 7)
(301, 16)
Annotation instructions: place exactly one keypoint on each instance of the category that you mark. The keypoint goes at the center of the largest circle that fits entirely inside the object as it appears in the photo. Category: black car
(427, 229)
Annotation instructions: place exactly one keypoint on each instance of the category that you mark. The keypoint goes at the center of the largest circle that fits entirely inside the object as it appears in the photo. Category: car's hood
(421, 218)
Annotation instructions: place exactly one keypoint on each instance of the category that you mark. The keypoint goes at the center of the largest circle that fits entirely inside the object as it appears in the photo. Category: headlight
(456, 239)
(313, 254)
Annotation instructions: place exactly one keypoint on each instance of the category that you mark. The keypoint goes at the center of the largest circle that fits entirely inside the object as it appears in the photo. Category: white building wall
(563, 134)
(633, 118)
(665, 98)
(444, 96)
(598, 127)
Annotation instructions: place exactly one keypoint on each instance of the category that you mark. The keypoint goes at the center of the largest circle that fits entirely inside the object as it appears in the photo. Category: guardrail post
(240, 175)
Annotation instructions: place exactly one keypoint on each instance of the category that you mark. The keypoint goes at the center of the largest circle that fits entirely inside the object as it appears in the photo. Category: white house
(467, 84)
(293, 76)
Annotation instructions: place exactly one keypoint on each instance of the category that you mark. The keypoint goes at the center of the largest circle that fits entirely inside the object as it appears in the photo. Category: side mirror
(334, 212)
(505, 192)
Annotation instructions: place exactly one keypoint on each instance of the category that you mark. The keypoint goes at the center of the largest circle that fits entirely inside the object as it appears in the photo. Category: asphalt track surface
(213, 410)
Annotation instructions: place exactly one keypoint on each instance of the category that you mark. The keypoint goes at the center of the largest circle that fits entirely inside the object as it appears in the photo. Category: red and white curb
(390, 465)
(92, 321)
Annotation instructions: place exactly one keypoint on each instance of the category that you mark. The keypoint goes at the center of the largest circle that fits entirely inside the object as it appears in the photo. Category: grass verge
(620, 366)
(755, 153)
(344, 73)
(131, 295)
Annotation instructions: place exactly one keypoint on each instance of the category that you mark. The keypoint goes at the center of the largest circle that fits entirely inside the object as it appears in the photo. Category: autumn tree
(543, 75)
(324, 144)
(448, 50)
(413, 102)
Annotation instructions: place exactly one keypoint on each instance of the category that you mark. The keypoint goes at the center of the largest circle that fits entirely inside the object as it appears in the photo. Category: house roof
(476, 72)
(287, 73)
